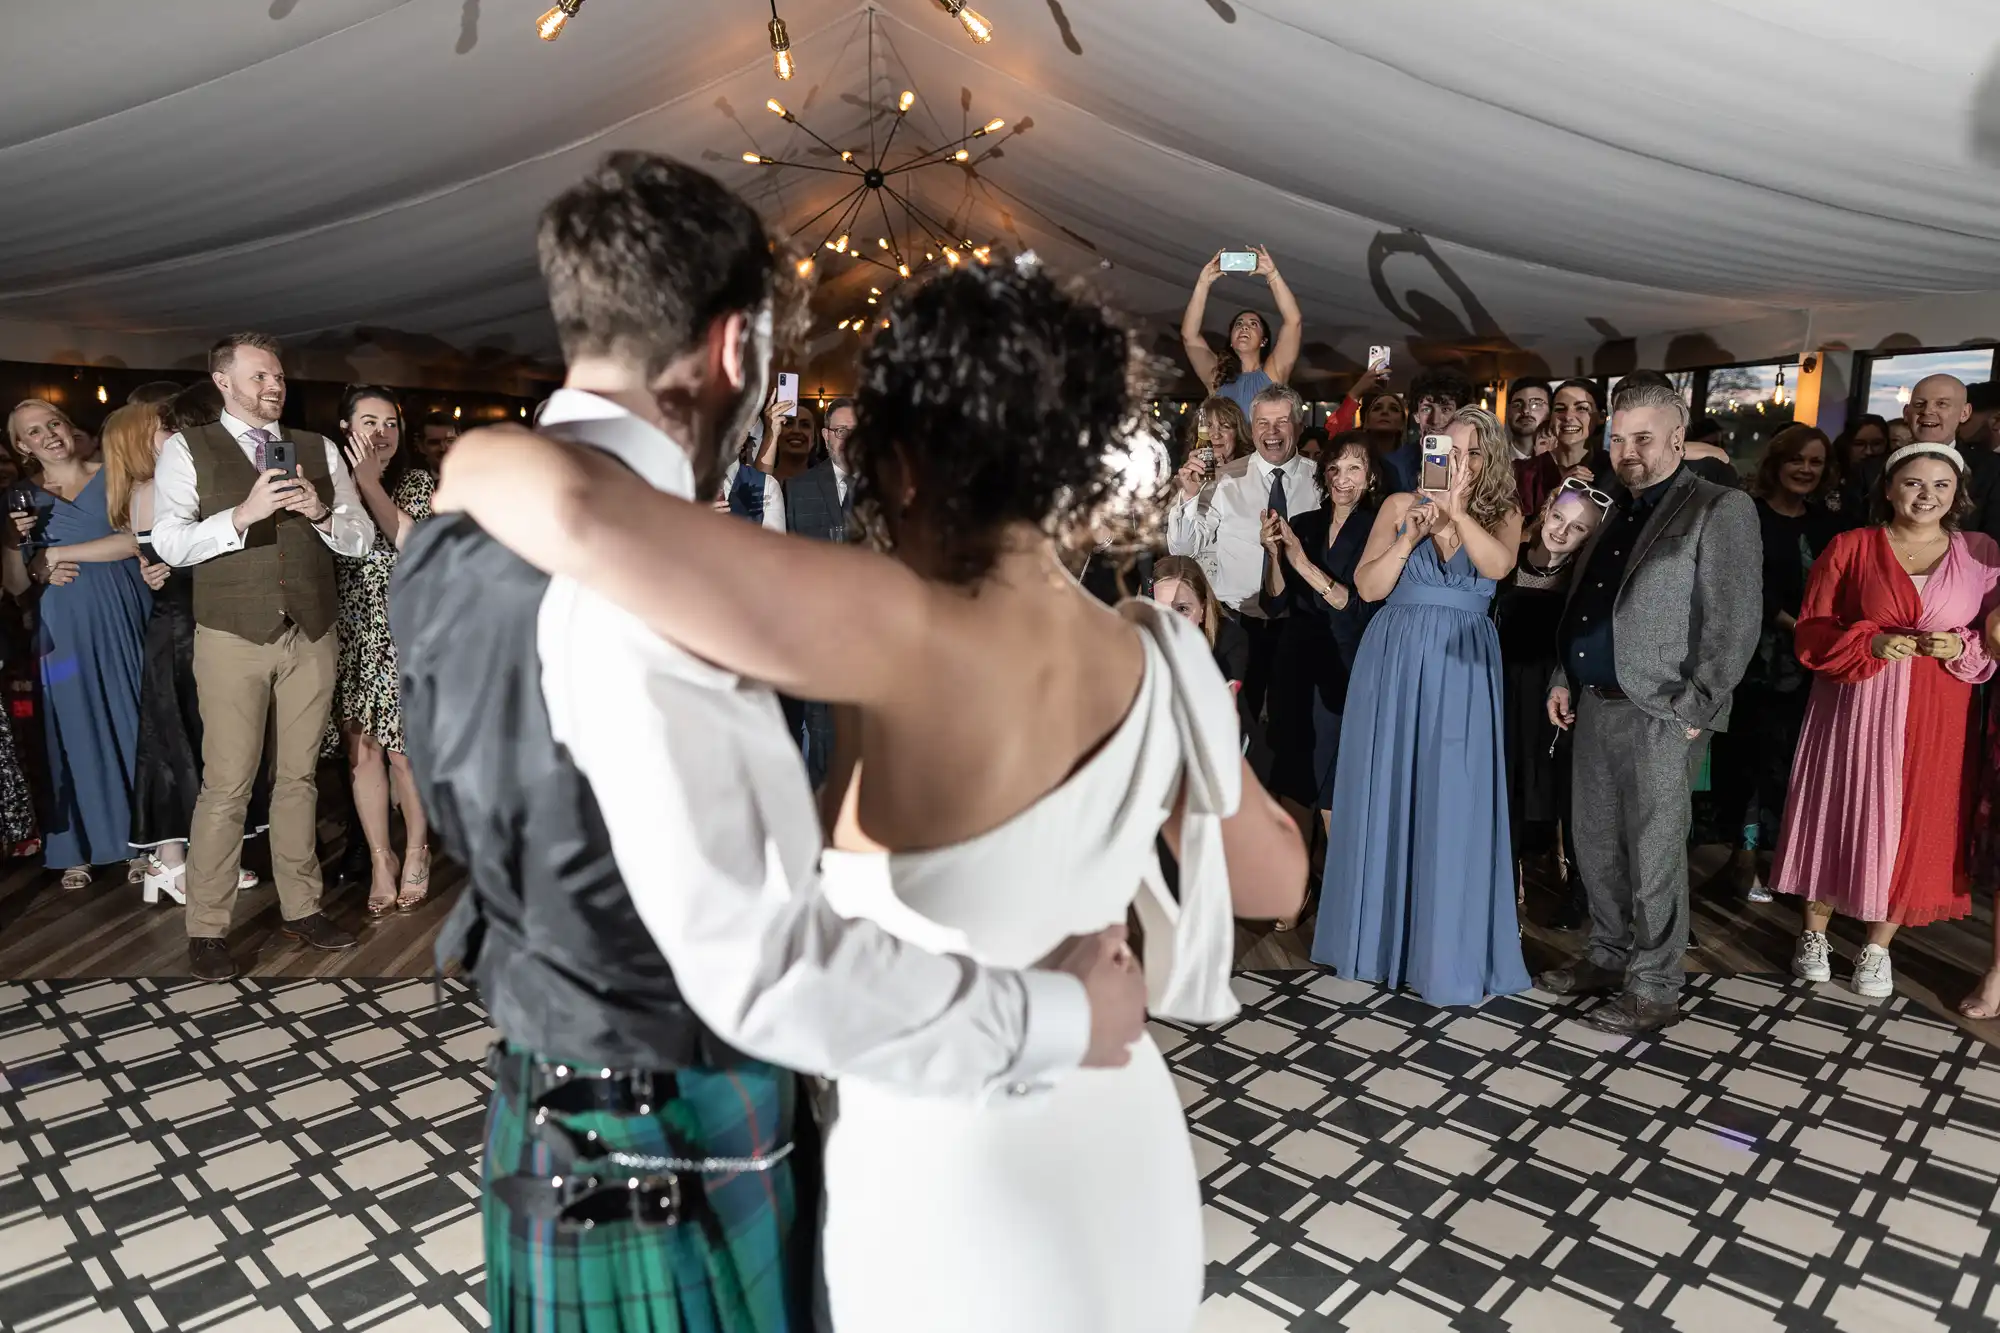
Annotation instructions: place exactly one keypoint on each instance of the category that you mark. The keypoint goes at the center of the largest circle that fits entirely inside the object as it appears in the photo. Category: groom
(642, 844)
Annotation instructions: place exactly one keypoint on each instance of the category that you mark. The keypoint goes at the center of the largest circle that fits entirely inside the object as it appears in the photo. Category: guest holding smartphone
(1421, 888)
(90, 643)
(1256, 358)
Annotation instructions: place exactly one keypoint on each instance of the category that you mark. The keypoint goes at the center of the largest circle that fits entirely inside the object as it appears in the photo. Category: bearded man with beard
(261, 538)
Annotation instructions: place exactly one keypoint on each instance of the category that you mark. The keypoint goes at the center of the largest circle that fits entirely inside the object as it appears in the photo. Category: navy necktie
(1277, 504)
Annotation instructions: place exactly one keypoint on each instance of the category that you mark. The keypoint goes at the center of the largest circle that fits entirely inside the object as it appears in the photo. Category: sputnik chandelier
(550, 26)
(869, 200)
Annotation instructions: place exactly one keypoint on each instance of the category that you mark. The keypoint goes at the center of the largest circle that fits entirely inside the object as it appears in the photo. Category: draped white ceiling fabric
(1538, 180)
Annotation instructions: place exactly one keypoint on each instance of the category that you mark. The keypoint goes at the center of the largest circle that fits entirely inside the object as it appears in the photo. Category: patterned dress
(364, 693)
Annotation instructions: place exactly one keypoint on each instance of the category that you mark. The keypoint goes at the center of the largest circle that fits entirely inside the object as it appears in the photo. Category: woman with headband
(1898, 627)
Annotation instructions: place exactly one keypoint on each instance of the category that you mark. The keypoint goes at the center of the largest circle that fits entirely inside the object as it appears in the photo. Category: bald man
(1938, 406)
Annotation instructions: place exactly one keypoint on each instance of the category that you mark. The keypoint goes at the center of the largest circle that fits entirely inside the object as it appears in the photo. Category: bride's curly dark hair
(1009, 395)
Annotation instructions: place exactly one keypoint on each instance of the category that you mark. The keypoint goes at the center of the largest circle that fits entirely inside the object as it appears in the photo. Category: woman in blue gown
(90, 646)
(1419, 883)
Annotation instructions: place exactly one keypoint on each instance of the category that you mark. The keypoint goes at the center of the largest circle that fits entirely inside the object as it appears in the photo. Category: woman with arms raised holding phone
(1255, 359)
(995, 416)
(1419, 887)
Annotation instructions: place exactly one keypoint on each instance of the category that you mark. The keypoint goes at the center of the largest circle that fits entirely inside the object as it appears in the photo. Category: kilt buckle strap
(581, 1202)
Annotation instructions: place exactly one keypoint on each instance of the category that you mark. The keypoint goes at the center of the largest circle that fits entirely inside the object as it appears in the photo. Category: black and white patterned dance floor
(302, 1155)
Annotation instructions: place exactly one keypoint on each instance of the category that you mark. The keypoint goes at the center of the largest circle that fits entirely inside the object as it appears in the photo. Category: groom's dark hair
(644, 253)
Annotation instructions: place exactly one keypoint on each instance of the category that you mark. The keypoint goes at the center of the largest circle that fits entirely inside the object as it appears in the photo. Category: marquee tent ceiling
(1533, 176)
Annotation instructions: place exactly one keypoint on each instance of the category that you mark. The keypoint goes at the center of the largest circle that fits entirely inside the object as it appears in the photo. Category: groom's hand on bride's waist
(1116, 988)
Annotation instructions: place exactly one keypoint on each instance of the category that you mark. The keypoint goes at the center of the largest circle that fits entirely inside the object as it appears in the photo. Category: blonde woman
(1228, 429)
(1419, 887)
(93, 628)
(166, 771)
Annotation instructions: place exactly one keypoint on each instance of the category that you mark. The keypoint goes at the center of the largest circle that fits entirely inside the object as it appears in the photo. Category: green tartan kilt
(727, 1268)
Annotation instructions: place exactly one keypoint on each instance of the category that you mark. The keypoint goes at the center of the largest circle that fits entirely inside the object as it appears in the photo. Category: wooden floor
(106, 931)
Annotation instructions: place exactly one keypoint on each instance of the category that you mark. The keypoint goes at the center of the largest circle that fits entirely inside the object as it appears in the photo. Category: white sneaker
(1874, 977)
(1809, 959)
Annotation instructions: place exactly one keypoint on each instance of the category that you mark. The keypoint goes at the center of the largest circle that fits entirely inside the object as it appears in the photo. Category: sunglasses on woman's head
(1597, 497)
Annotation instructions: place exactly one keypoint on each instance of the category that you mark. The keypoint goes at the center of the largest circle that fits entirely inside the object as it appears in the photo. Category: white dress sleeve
(1190, 943)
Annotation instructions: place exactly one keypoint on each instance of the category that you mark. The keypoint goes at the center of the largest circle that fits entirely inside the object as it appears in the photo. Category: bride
(1007, 752)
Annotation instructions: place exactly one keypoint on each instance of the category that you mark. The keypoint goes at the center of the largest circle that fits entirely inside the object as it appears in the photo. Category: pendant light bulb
(847, 155)
(777, 108)
(975, 24)
(550, 25)
(960, 155)
(902, 269)
(994, 124)
(781, 50)
(804, 268)
(905, 102)
(102, 396)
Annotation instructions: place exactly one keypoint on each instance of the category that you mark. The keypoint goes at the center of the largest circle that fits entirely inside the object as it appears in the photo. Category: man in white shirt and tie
(1220, 521)
(260, 535)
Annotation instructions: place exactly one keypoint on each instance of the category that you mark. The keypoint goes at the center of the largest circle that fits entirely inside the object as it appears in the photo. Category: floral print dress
(365, 696)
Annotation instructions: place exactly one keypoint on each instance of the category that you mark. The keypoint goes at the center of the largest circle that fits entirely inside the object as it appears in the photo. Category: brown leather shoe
(316, 932)
(1632, 1016)
(1581, 977)
(209, 960)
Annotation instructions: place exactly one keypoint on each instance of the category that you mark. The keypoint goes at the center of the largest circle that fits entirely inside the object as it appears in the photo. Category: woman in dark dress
(1751, 764)
(1527, 610)
(166, 777)
(1311, 579)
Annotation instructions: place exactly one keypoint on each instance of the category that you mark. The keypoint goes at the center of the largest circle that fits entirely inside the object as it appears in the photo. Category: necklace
(1919, 554)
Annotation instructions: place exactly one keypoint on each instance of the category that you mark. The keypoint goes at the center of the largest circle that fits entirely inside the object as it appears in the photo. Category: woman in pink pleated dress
(1895, 626)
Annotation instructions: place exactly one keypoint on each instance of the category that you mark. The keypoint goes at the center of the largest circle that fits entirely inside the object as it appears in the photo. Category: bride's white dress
(1070, 1208)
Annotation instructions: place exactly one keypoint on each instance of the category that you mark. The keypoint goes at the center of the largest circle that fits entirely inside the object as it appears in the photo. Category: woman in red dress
(1876, 817)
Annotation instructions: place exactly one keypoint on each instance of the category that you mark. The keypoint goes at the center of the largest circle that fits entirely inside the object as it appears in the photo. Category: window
(1890, 378)
(1751, 405)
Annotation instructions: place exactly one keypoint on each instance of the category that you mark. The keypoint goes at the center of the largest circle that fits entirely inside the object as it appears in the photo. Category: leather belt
(592, 1183)
(1605, 691)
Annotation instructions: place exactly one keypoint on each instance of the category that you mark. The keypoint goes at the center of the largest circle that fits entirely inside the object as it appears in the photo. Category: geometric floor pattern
(303, 1155)
(1789, 1157)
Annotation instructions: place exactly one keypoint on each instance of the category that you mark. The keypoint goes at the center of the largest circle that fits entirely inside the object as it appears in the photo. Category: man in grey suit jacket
(1662, 619)
(818, 504)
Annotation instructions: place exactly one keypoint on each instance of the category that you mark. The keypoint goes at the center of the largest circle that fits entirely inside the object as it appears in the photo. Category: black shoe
(1631, 1016)
(209, 960)
(354, 866)
(317, 932)
(1581, 977)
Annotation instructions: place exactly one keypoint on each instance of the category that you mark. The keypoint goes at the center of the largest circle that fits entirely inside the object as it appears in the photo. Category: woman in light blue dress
(90, 644)
(1419, 884)
(1255, 358)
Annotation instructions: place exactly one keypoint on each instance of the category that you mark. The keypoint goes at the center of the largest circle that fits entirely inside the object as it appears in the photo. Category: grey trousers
(1630, 808)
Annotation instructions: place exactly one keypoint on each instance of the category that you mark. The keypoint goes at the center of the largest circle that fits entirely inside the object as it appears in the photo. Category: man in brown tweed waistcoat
(261, 542)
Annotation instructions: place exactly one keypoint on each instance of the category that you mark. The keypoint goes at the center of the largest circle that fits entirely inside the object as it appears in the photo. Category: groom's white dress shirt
(717, 838)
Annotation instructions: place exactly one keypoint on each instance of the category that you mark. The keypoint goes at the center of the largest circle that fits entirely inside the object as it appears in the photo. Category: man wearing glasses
(818, 504)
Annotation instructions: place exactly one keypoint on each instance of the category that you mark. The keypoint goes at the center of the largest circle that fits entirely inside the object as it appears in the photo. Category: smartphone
(1437, 463)
(284, 456)
(1237, 261)
(1378, 358)
(788, 392)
